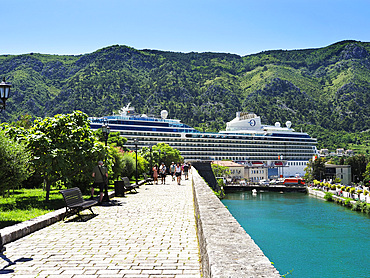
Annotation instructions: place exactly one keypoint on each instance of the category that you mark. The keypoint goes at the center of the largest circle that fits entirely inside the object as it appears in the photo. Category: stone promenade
(148, 234)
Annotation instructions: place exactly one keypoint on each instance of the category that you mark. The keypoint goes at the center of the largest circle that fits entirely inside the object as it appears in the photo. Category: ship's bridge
(244, 121)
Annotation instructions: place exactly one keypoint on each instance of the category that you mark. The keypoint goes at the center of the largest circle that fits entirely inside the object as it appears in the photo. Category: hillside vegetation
(324, 91)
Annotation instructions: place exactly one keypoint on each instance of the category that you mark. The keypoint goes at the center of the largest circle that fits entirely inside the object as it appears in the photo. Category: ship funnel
(288, 124)
(277, 124)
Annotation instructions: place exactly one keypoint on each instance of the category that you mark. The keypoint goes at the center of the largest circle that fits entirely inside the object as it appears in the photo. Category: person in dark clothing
(100, 175)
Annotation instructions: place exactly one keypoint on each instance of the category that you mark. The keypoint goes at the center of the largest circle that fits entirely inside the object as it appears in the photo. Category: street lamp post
(105, 130)
(136, 141)
(151, 161)
(4, 93)
(159, 162)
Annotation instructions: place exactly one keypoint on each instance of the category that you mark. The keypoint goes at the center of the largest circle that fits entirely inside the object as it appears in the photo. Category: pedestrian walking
(162, 171)
(100, 175)
(186, 170)
(178, 171)
(155, 174)
(172, 170)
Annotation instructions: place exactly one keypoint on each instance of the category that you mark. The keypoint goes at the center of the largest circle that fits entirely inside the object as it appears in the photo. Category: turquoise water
(309, 236)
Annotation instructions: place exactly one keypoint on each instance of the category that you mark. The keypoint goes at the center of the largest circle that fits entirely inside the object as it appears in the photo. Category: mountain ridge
(317, 89)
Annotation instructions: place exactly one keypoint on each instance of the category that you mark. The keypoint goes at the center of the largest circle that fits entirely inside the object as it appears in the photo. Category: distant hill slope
(324, 91)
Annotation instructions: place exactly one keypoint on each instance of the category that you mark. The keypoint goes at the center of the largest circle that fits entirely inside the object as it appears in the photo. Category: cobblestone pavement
(148, 234)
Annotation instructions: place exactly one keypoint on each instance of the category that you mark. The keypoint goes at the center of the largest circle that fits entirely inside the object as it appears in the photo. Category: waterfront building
(256, 171)
(244, 141)
(343, 172)
(236, 169)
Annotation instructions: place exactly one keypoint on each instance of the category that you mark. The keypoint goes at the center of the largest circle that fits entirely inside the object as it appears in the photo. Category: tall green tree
(358, 166)
(367, 175)
(315, 169)
(161, 152)
(64, 149)
(114, 138)
(15, 161)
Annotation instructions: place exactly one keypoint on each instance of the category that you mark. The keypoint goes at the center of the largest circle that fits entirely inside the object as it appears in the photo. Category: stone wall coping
(227, 251)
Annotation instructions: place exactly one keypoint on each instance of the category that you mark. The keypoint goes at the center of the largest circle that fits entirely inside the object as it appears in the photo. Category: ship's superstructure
(245, 139)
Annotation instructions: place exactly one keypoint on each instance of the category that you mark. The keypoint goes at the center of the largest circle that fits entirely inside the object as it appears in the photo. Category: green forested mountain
(324, 91)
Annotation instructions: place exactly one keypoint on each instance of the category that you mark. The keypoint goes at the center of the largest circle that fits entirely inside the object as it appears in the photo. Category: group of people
(175, 170)
(100, 175)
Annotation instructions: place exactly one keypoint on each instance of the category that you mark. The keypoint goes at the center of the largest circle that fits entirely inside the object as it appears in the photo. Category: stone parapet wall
(316, 193)
(227, 251)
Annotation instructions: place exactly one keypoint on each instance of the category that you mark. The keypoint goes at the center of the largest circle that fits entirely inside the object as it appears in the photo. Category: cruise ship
(246, 140)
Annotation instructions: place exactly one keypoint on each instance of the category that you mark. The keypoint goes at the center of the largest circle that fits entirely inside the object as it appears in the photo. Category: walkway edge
(14, 232)
(226, 249)
(17, 231)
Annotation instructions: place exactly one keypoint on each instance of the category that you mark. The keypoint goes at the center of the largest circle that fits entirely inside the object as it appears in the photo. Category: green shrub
(347, 203)
(357, 206)
(366, 209)
(128, 165)
(363, 206)
(337, 200)
(328, 196)
(118, 165)
(220, 183)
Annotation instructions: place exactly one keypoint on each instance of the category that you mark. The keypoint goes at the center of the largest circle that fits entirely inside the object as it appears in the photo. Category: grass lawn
(25, 204)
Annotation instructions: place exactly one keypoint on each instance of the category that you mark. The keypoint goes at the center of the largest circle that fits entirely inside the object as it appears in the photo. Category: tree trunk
(47, 188)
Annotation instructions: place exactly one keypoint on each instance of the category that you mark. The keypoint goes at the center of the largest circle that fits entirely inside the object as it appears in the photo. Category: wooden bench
(128, 186)
(75, 203)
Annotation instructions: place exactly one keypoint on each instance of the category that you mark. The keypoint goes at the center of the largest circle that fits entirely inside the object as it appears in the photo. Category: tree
(142, 163)
(114, 138)
(219, 170)
(366, 175)
(315, 169)
(128, 163)
(161, 152)
(64, 149)
(14, 166)
(358, 166)
(118, 164)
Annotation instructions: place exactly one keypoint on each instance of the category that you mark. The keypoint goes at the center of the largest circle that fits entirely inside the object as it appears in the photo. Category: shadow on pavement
(4, 270)
(85, 218)
(112, 203)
